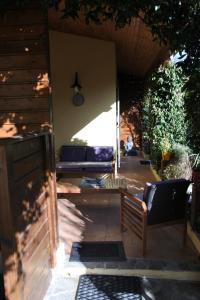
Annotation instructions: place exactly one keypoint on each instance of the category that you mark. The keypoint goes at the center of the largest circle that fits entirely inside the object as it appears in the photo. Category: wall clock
(78, 99)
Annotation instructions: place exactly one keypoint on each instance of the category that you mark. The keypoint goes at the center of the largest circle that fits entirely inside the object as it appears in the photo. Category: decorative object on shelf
(78, 98)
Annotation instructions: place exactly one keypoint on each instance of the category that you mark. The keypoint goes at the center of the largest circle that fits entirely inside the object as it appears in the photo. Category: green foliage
(164, 117)
(179, 166)
(173, 22)
(193, 110)
(165, 145)
(195, 161)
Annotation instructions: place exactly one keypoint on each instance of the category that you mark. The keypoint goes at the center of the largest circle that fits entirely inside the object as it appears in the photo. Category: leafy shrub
(180, 165)
(164, 116)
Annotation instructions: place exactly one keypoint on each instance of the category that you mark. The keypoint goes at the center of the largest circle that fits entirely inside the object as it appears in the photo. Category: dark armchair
(162, 203)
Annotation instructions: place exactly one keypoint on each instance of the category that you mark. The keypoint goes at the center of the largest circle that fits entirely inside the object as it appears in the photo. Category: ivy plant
(164, 116)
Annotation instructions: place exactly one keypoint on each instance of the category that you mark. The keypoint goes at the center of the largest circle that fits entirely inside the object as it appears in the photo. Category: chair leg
(121, 215)
(144, 234)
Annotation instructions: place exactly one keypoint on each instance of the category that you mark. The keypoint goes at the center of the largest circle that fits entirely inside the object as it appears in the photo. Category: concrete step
(137, 267)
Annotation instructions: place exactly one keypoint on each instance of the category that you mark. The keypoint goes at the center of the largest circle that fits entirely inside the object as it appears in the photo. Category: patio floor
(96, 217)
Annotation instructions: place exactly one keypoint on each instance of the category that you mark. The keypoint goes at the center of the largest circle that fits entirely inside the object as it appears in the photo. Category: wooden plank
(9, 255)
(22, 104)
(41, 286)
(40, 117)
(29, 265)
(26, 148)
(23, 47)
(36, 265)
(51, 196)
(31, 247)
(24, 89)
(31, 214)
(23, 62)
(8, 130)
(22, 32)
(25, 166)
(24, 237)
(26, 204)
(23, 17)
(19, 76)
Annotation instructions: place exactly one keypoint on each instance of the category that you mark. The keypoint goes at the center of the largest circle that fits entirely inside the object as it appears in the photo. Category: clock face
(78, 99)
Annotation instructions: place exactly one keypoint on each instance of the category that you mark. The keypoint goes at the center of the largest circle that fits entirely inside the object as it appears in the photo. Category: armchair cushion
(166, 200)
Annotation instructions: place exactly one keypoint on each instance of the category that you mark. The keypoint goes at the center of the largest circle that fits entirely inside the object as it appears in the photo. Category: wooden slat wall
(24, 79)
(27, 216)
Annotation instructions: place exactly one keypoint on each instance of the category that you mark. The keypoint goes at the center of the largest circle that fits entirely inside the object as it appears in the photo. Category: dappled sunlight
(29, 212)
(5, 76)
(71, 223)
(42, 83)
(30, 113)
(8, 129)
(94, 131)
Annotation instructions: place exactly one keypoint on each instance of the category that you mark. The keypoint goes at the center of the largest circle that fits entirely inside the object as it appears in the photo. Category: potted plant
(165, 148)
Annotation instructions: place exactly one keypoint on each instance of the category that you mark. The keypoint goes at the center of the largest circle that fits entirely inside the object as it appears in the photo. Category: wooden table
(73, 186)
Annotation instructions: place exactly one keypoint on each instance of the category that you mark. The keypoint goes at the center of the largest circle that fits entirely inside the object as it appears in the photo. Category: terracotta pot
(166, 155)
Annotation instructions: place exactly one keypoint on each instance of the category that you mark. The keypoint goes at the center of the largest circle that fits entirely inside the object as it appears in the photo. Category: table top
(85, 185)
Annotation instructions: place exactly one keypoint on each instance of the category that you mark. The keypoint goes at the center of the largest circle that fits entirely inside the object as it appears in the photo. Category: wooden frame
(28, 222)
(134, 216)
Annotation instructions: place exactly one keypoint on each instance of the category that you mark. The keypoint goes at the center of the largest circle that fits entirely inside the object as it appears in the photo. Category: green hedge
(164, 115)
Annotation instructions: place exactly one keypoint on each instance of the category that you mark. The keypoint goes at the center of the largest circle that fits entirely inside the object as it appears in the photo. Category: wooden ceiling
(136, 52)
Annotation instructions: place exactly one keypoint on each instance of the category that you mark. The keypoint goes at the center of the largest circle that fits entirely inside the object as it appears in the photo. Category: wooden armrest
(138, 202)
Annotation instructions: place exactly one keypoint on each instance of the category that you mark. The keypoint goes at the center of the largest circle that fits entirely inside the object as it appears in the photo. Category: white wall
(93, 123)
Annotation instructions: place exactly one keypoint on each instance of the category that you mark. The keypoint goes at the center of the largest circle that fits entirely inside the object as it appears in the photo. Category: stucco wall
(93, 123)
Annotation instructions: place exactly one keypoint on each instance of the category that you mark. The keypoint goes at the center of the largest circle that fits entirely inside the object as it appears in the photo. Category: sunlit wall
(94, 122)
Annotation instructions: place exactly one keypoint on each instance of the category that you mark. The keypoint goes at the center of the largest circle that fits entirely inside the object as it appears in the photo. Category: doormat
(113, 287)
(97, 251)
(145, 162)
(107, 287)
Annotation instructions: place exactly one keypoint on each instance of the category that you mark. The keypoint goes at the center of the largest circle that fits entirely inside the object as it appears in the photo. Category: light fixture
(78, 98)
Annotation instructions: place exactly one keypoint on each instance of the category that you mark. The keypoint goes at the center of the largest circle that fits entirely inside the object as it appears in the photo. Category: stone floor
(95, 217)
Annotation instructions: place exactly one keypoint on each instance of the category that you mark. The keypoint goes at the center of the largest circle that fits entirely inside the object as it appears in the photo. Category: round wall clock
(78, 99)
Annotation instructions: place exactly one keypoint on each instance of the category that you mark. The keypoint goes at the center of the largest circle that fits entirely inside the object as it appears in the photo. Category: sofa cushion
(73, 153)
(99, 153)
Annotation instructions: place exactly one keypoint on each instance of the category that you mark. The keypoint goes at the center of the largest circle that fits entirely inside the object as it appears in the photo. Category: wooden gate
(27, 216)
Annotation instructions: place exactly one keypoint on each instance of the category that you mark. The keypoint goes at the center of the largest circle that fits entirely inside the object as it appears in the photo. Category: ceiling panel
(136, 52)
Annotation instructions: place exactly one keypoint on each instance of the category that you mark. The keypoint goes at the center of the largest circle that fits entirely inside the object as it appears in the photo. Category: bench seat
(77, 159)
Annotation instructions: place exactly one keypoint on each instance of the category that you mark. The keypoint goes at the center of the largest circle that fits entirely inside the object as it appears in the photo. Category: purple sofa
(78, 159)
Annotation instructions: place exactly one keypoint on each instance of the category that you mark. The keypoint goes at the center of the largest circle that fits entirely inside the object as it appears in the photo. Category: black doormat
(107, 287)
(97, 251)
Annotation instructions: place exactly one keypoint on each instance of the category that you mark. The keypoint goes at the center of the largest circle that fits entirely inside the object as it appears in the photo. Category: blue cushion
(73, 153)
(99, 153)
(166, 200)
